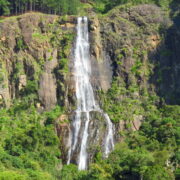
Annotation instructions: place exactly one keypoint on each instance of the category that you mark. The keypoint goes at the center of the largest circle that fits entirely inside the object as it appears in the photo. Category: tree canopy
(61, 7)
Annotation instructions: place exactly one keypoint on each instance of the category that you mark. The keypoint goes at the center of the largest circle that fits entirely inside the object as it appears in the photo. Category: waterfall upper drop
(85, 102)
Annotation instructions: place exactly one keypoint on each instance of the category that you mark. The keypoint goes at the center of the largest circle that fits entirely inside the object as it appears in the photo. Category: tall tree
(4, 7)
(73, 5)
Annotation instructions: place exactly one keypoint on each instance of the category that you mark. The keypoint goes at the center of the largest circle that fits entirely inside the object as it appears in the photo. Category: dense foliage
(150, 154)
(105, 5)
(8, 7)
(29, 146)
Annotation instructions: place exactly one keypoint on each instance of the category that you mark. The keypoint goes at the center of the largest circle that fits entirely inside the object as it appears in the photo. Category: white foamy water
(85, 99)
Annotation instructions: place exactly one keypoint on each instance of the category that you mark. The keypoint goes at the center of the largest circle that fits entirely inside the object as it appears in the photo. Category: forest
(62, 7)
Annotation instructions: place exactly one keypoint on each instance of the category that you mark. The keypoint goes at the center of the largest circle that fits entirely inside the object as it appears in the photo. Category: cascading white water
(85, 98)
(109, 142)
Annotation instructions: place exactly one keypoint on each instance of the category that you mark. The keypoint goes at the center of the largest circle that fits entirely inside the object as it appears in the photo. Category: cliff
(138, 45)
(31, 48)
(135, 68)
(133, 44)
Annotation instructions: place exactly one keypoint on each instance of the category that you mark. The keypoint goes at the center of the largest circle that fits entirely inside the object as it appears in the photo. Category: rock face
(129, 43)
(47, 87)
(97, 131)
(168, 70)
(63, 131)
(47, 90)
(101, 66)
(132, 36)
(36, 60)
(31, 48)
(129, 32)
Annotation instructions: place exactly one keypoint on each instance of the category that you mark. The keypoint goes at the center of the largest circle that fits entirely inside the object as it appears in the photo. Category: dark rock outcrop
(167, 71)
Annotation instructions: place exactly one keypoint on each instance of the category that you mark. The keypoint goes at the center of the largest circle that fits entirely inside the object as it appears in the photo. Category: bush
(27, 144)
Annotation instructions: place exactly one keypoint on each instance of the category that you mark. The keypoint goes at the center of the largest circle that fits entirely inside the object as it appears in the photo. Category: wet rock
(97, 133)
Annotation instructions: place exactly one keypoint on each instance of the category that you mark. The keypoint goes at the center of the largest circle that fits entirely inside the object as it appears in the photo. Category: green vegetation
(8, 7)
(20, 44)
(103, 6)
(40, 37)
(29, 147)
(4, 7)
(61, 7)
(150, 153)
(66, 43)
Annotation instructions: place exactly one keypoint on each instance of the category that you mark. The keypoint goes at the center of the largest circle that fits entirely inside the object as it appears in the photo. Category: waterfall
(85, 100)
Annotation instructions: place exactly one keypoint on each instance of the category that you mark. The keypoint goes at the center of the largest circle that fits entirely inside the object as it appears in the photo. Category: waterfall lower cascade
(85, 101)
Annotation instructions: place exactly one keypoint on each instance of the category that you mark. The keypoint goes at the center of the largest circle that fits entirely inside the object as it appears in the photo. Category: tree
(4, 7)
(73, 5)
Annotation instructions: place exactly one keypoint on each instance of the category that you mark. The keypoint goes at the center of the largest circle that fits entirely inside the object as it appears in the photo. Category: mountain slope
(135, 67)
